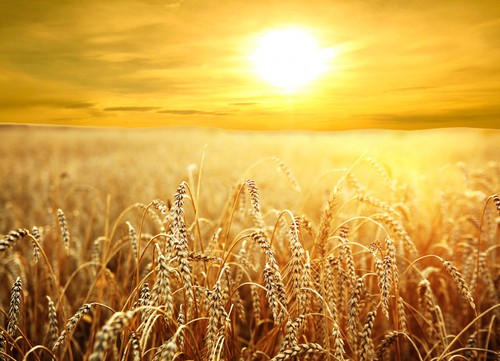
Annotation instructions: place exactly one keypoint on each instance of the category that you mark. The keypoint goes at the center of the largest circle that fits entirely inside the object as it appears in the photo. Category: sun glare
(290, 58)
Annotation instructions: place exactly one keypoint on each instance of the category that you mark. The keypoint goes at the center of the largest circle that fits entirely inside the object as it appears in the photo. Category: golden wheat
(244, 270)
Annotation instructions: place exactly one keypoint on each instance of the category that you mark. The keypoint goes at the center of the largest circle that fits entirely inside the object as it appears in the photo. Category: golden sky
(399, 64)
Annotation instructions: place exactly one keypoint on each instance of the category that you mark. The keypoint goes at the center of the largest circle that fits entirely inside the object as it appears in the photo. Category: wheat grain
(324, 225)
(202, 257)
(12, 238)
(253, 191)
(384, 271)
(376, 203)
(330, 289)
(389, 338)
(403, 323)
(109, 333)
(181, 321)
(71, 324)
(342, 283)
(284, 168)
(487, 278)
(3, 346)
(180, 246)
(53, 326)
(338, 342)
(299, 350)
(346, 253)
(459, 282)
(275, 292)
(428, 307)
(496, 199)
(63, 226)
(216, 312)
(292, 329)
(382, 171)
(256, 309)
(36, 250)
(161, 294)
(15, 307)
(306, 282)
(391, 252)
(297, 265)
(353, 311)
(366, 344)
(133, 240)
(166, 352)
(400, 231)
(136, 347)
(160, 205)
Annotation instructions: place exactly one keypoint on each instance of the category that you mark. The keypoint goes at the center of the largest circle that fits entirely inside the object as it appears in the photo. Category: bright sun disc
(290, 58)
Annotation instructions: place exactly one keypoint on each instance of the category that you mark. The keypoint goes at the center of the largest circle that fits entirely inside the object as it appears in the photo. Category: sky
(140, 63)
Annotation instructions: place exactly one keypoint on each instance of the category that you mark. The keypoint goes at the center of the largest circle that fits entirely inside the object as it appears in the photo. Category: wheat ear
(388, 340)
(109, 333)
(299, 350)
(180, 245)
(71, 324)
(12, 238)
(64, 228)
(366, 344)
(53, 326)
(15, 307)
(459, 282)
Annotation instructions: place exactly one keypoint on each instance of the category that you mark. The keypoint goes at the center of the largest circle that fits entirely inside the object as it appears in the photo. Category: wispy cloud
(130, 109)
(245, 103)
(190, 112)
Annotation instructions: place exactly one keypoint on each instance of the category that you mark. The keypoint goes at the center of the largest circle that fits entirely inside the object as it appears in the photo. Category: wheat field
(201, 244)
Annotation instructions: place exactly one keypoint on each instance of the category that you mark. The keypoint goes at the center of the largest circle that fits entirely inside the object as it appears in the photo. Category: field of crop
(198, 244)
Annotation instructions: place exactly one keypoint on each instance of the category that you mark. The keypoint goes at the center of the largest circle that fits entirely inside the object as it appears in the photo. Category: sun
(290, 58)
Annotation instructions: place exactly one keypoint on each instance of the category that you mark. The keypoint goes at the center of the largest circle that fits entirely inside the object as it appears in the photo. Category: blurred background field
(139, 165)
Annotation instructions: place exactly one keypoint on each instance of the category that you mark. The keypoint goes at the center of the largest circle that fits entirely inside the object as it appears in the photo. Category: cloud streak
(190, 112)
